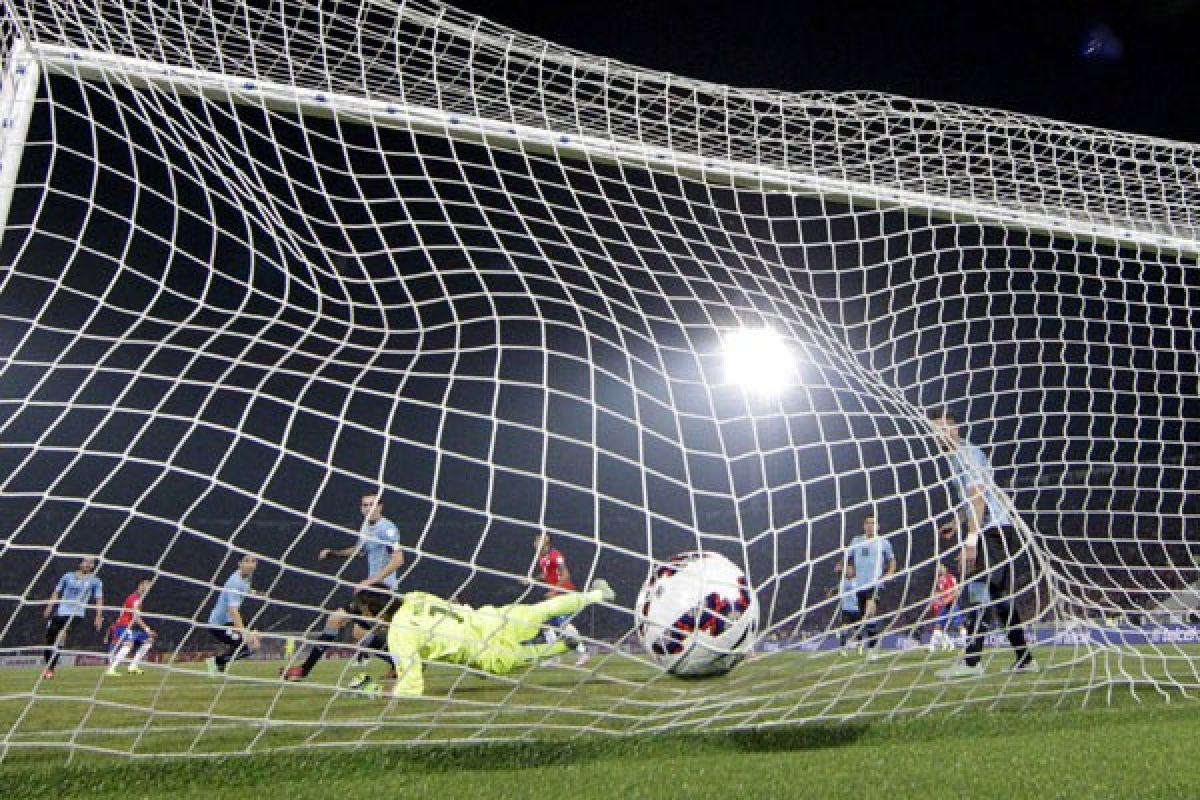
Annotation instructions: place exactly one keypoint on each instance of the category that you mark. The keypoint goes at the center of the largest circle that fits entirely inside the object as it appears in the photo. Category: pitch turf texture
(1094, 724)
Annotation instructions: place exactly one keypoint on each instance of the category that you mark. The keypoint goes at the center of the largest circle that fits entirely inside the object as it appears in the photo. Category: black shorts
(375, 596)
(1000, 560)
(865, 595)
(56, 625)
(846, 617)
(226, 635)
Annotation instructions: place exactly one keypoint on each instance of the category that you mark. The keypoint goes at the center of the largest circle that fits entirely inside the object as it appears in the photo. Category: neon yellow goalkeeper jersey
(430, 628)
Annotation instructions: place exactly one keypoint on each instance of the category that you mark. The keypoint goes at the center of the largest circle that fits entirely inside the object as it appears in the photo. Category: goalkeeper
(495, 639)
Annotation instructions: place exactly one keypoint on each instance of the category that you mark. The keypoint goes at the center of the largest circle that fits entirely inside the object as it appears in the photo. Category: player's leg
(235, 648)
(370, 633)
(946, 620)
(540, 653)
(329, 634)
(223, 637)
(866, 614)
(372, 642)
(551, 631)
(523, 622)
(976, 612)
(1003, 587)
(120, 649)
(56, 636)
(851, 622)
(935, 630)
(144, 641)
(975, 607)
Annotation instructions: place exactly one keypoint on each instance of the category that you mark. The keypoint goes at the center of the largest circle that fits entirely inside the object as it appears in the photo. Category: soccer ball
(697, 615)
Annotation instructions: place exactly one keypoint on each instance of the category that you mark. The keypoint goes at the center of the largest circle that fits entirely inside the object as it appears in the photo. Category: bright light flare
(758, 359)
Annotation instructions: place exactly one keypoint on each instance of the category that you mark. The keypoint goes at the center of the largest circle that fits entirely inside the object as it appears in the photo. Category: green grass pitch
(1095, 724)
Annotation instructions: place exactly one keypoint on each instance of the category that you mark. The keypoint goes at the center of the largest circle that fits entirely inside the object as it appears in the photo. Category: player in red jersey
(552, 571)
(131, 629)
(944, 609)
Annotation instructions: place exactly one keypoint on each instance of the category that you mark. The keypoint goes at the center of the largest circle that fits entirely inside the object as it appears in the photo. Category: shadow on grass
(225, 773)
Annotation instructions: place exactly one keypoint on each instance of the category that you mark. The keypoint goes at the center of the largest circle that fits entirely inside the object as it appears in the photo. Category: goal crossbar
(91, 65)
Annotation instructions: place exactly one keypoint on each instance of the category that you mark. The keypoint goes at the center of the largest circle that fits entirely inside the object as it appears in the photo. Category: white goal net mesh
(259, 259)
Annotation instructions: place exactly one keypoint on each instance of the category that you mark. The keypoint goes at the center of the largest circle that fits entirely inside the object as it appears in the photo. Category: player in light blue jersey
(226, 623)
(874, 562)
(379, 542)
(989, 550)
(72, 595)
(849, 613)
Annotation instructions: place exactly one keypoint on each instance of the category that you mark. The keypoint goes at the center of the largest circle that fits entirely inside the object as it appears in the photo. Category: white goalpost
(259, 260)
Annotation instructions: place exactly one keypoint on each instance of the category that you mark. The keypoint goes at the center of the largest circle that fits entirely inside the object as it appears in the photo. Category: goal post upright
(18, 94)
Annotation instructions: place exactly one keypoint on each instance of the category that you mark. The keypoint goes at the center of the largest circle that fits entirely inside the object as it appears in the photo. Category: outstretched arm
(338, 552)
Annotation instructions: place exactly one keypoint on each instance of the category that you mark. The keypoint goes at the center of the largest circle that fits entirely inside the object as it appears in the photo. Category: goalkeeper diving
(494, 639)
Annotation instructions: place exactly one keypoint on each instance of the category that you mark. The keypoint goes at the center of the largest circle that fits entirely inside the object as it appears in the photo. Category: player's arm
(98, 602)
(50, 606)
(248, 636)
(394, 563)
(338, 552)
(141, 623)
(976, 508)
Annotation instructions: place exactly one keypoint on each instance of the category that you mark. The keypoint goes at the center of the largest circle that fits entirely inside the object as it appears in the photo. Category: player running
(71, 596)
(553, 572)
(494, 639)
(226, 623)
(874, 562)
(129, 630)
(379, 541)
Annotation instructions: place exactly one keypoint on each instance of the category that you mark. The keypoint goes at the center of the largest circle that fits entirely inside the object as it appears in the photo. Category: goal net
(262, 259)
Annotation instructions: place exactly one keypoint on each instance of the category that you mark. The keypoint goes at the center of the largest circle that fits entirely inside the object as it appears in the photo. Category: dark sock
(50, 650)
(872, 635)
(317, 650)
(976, 634)
(1016, 638)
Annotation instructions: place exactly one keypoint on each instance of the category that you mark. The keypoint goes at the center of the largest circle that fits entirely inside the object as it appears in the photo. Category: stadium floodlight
(758, 359)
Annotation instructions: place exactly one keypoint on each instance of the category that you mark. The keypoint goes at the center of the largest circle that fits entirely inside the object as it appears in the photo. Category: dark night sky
(1018, 56)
